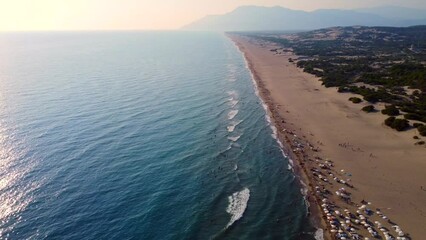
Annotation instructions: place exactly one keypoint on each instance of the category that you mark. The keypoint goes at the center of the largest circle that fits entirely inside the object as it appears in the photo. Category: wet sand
(325, 134)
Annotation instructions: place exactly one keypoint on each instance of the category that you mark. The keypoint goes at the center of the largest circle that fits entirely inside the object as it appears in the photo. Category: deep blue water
(138, 135)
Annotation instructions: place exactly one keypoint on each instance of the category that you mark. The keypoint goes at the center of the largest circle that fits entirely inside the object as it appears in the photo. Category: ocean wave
(231, 127)
(274, 132)
(234, 139)
(232, 114)
(232, 93)
(232, 69)
(266, 108)
(304, 189)
(237, 205)
(233, 102)
(236, 145)
(319, 234)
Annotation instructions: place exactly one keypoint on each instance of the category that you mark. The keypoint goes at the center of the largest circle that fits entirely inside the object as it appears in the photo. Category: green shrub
(412, 116)
(420, 143)
(400, 124)
(342, 89)
(422, 130)
(416, 125)
(369, 108)
(355, 99)
(397, 123)
(390, 110)
(389, 121)
(371, 98)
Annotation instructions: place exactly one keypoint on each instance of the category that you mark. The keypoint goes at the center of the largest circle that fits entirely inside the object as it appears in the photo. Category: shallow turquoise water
(138, 135)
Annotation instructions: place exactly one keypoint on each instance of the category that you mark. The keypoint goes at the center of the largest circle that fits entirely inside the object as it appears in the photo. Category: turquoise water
(138, 135)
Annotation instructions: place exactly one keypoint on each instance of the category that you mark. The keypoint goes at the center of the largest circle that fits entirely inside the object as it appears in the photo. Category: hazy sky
(18, 15)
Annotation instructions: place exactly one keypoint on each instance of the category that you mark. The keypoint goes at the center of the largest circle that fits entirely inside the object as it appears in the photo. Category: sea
(139, 135)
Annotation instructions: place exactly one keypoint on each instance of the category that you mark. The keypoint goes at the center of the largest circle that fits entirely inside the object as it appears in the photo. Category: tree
(355, 99)
(422, 130)
(368, 109)
(390, 110)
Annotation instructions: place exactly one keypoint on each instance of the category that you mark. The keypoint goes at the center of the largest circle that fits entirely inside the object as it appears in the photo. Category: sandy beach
(330, 138)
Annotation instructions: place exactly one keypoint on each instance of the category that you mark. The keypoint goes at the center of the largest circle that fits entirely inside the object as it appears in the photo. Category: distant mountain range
(256, 18)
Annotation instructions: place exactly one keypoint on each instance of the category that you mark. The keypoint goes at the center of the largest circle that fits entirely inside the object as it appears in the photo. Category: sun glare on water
(15, 194)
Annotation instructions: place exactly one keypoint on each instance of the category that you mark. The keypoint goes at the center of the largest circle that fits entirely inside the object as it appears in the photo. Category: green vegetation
(378, 63)
(368, 109)
(422, 130)
(390, 110)
(397, 123)
(412, 116)
(355, 99)
(389, 121)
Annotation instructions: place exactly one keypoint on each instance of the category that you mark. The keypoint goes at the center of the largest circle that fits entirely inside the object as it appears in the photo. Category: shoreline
(283, 139)
(290, 110)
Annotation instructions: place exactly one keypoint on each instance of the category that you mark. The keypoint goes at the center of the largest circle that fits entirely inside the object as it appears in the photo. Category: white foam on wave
(234, 139)
(232, 126)
(232, 93)
(233, 102)
(266, 108)
(304, 189)
(232, 114)
(319, 234)
(274, 133)
(237, 205)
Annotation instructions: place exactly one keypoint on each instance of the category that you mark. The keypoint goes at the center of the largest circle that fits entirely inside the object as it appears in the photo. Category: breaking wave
(232, 114)
(234, 139)
(231, 127)
(237, 205)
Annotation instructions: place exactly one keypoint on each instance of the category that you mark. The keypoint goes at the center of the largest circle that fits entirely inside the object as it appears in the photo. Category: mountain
(256, 18)
(394, 12)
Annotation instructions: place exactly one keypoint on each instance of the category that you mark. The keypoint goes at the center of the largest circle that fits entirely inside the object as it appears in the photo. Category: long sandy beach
(330, 138)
